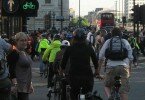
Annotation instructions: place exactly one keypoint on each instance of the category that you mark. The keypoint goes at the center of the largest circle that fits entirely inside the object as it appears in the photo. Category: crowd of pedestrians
(67, 51)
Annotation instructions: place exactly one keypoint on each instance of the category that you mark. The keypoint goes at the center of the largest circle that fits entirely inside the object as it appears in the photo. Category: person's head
(93, 29)
(21, 40)
(56, 37)
(65, 43)
(103, 32)
(79, 35)
(44, 35)
(116, 32)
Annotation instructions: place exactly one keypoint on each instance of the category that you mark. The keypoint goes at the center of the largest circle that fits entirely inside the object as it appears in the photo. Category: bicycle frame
(115, 95)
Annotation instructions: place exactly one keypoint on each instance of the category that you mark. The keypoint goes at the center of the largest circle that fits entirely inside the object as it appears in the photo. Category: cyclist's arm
(102, 53)
(46, 54)
(65, 59)
(130, 56)
(94, 60)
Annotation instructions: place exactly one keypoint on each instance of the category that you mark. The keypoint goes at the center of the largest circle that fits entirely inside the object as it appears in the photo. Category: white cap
(65, 43)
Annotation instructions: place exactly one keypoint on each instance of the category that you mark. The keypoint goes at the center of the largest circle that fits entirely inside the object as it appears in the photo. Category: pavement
(42, 81)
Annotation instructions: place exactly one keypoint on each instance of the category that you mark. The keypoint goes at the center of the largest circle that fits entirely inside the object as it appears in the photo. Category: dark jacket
(79, 55)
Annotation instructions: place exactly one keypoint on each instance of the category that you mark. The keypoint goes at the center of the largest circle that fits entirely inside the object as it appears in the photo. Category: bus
(104, 20)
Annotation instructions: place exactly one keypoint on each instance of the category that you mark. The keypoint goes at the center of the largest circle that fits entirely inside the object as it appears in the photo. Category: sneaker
(41, 74)
(50, 89)
(49, 92)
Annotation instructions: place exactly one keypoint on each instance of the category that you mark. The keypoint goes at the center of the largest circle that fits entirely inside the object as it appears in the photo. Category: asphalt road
(137, 86)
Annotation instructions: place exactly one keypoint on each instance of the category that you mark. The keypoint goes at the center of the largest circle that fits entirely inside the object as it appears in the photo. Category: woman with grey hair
(20, 68)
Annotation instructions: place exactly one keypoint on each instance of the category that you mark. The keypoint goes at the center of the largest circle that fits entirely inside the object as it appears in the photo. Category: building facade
(48, 14)
(128, 5)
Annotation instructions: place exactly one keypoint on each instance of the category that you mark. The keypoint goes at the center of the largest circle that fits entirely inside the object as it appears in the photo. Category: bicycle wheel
(49, 95)
(68, 92)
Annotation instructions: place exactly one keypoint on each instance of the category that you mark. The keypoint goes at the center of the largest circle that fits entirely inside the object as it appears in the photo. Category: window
(107, 16)
(47, 1)
(59, 2)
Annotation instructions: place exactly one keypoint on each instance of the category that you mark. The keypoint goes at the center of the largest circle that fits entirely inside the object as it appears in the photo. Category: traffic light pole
(61, 14)
(24, 23)
(134, 17)
(79, 13)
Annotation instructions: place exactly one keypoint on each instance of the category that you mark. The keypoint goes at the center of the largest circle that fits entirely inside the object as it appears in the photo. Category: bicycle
(89, 96)
(115, 89)
(55, 93)
(61, 89)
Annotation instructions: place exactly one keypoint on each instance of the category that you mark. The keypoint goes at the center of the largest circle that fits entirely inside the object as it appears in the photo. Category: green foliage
(83, 22)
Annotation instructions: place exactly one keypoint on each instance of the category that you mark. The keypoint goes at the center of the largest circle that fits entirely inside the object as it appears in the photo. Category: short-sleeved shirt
(4, 47)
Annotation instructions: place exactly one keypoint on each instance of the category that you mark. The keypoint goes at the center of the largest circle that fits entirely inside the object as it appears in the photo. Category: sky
(90, 5)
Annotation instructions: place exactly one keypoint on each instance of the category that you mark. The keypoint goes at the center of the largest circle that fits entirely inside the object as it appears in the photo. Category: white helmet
(65, 43)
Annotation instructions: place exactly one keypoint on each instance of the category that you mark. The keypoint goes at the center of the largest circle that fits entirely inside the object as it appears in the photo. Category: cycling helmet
(56, 37)
(69, 36)
(80, 34)
(65, 43)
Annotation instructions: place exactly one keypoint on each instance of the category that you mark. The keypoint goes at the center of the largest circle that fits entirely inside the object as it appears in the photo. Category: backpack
(57, 61)
(116, 50)
(90, 40)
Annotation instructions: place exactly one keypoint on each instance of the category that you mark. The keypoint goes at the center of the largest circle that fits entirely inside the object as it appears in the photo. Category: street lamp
(116, 9)
(79, 14)
(53, 16)
(133, 17)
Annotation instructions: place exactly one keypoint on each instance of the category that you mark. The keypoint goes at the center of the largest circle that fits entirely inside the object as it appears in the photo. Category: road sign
(10, 6)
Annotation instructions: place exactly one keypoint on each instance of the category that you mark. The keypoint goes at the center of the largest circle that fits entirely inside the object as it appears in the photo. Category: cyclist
(50, 55)
(56, 65)
(42, 46)
(120, 65)
(80, 72)
(135, 47)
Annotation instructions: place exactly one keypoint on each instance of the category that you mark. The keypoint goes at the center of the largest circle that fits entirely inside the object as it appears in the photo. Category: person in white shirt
(90, 37)
(117, 67)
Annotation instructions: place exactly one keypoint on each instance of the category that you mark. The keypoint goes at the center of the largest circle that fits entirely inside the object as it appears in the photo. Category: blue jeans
(42, 65)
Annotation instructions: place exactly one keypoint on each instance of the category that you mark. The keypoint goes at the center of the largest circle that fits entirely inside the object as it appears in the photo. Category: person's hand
(31, 89)
(61, 72)
(14, 89)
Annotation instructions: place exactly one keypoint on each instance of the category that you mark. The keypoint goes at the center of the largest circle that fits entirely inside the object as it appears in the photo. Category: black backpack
(116, 50)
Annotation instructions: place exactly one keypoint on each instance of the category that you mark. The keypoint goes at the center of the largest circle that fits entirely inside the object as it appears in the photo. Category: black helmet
(56, 37)
(79, 34)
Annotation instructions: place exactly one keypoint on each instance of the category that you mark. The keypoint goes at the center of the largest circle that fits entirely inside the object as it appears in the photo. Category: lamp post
(61, 14)
(79, 13)
(133, 17)
(116, 9)
(119, 10)
(53, 15)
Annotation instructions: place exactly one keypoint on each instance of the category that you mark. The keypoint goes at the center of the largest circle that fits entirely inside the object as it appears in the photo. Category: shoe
(49, 92)
(50, 89)
(110, 98)
(41, 74)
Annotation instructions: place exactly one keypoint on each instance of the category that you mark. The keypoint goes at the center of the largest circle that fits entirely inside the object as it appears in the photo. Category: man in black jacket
(80, 73)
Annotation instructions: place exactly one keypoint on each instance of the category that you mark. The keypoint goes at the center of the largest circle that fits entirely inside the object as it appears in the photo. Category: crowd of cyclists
(68, 52)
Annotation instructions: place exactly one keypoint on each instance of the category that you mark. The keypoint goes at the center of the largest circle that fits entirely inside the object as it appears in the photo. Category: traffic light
(27, 8)
(142, 14)
(136, 14)
(124, 19)
(11, 8)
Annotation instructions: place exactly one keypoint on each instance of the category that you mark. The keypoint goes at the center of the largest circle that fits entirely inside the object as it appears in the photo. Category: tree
(75, 22)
